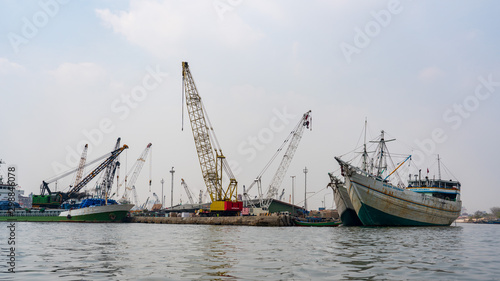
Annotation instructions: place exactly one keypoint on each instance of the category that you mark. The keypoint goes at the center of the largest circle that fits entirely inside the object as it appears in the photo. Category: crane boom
(81, 166)
(282, 193)
(188, 192)
(109, 174)
(204, 136)
(157, 200)
(287, 158)
(144, 206)
(135, 170)
(136, 199)
(44, 186)
(96, 171)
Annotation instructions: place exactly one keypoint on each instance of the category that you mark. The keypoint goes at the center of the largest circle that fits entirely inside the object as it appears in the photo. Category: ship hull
(379, 203)
(107, 213)
(345, 208)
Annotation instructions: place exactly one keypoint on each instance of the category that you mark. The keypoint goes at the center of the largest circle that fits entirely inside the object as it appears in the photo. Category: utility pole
(172, 189)
(293, 195)
(162, 197)
(305, 188)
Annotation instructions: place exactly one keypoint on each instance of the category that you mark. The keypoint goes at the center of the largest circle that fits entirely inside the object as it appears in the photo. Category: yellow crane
(212, 161)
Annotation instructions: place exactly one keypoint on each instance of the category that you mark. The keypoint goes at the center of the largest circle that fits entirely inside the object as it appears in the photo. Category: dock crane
(81, 166)
(145, 205)
(293, 141)
(134, 172)
(136, 198)
(282, 193)
(188, 192)
(109, 174)
(157, 200)
(55, 199)
(212, 161)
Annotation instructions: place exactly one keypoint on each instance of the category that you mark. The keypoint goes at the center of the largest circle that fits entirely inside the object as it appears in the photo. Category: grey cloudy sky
(81, 72)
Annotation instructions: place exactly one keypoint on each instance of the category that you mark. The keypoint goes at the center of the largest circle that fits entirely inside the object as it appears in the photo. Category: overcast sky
(81, 72)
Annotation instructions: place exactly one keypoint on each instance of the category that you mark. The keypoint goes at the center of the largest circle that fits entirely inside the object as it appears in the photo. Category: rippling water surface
(64, 251)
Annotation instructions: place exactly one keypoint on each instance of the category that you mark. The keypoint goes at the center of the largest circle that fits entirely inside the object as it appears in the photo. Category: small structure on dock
(276, 206)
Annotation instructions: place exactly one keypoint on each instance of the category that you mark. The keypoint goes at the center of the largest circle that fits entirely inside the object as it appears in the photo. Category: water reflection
(415, 252)
(201, 252)
(218, 251)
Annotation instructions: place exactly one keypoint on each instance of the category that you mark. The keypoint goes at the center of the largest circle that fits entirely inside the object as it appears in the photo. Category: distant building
(25, 201)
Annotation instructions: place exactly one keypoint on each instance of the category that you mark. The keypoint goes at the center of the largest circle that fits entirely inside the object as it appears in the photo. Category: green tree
(495, 211)
(478, 214)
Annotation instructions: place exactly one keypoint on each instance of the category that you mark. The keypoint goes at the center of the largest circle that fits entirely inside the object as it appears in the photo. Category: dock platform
(281, 220)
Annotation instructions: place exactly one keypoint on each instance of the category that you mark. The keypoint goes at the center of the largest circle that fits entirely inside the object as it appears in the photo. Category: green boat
(74, 205)
(94, 211)
(316, 222)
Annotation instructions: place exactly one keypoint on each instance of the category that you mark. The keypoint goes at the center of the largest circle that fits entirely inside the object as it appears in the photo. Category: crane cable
(53, 179)
(276, 153)
(182, 103)
(211, 131)
(150, 167)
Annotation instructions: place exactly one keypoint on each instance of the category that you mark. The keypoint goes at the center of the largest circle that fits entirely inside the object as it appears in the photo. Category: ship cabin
(443, 189)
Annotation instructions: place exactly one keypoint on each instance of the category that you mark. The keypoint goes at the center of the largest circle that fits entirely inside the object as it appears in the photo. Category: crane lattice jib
(81, 166)
(136, 171)
(287, 158)
(188, 192)
(157, 200)
(211, 165)
(44, 186)
(136, 199)
(109, 174)
(230, 192)
(96, 171)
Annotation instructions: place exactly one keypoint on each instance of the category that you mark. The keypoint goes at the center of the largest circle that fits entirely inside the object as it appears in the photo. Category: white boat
(98, 213)
(89, 210)
(6, 190)
(378, 202)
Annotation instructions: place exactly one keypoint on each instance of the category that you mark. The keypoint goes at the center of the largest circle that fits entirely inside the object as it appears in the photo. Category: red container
(233, 206)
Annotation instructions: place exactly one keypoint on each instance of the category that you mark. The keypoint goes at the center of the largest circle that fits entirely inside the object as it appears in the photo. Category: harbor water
(81, 251)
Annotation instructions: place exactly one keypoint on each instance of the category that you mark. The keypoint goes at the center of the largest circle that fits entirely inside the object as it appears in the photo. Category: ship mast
(382, 161)
(439, 167)
(365, 154)
(382, 156)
